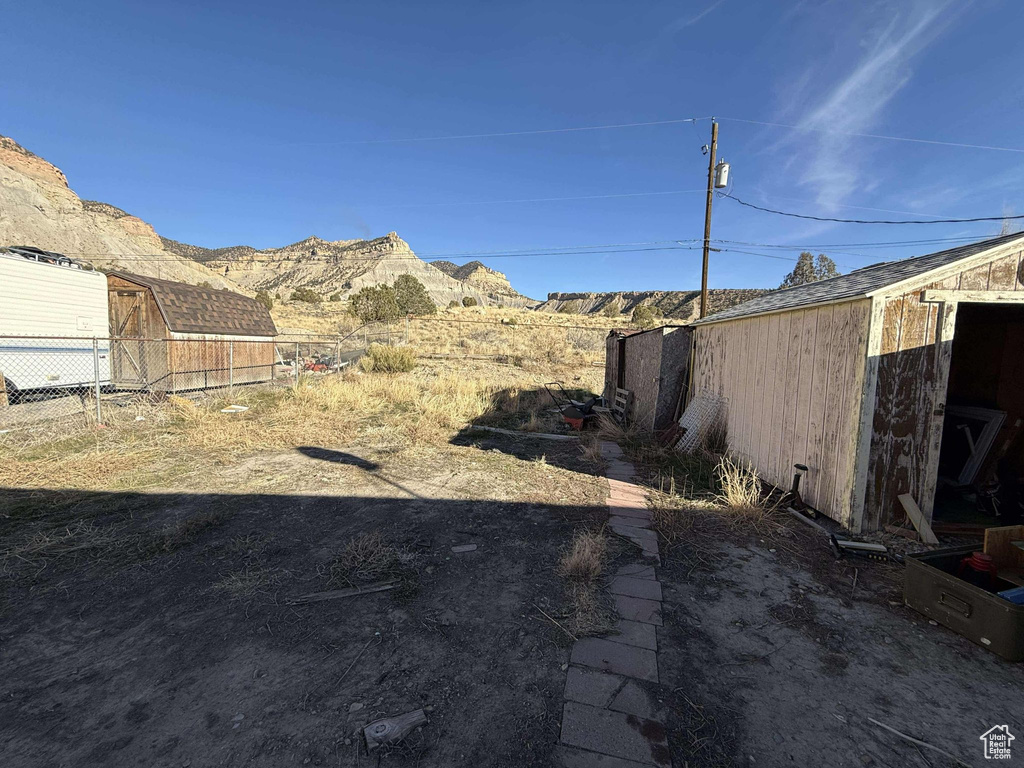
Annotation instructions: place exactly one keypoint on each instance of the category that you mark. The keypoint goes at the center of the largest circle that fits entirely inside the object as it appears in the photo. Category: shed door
(127, 349)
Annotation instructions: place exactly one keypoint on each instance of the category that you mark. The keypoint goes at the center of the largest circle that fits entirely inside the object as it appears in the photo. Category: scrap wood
(920, 743)
(333, 594)
(391, 730)
(917, 518)
(959, 529)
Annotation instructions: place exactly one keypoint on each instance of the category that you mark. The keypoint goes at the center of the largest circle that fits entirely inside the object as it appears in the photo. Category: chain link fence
(47, 378)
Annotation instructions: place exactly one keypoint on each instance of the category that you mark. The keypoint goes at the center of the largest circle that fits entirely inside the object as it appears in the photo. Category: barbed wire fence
(46, 378)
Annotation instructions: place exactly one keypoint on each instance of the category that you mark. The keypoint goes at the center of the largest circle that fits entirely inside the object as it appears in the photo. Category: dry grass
(247, 584)
(582, 565)
(387, 359)
(584, 560)
(366, 558)
(741, 493)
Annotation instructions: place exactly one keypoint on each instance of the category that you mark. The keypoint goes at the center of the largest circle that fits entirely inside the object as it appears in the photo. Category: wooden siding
(643, 377)
(793, 383)
(198, 362)
(913, 368)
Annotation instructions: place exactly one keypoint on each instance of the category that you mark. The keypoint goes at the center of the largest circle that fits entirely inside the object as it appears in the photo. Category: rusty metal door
(127, 349)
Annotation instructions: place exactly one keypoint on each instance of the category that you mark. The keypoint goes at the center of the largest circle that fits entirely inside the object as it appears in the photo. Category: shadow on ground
(156, 629)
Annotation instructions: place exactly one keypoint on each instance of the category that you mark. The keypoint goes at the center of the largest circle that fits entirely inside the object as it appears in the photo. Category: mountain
(482, 278)
(344, 266)
(678, 305)
(37, 207)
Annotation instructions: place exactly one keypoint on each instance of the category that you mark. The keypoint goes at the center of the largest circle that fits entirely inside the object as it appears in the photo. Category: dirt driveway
(773, 657)
(155, 629)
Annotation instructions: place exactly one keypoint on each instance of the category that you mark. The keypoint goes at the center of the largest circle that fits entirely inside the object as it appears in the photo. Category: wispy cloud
(683, 23)
(830, 163)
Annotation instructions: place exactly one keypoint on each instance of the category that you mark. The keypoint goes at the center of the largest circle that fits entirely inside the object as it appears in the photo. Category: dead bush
(740, 490)
(584, 560)
(587, 610)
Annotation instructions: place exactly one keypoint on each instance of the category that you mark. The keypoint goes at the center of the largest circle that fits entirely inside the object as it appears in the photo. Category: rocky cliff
(336, 266)
(484, 279)
(679, 305)
(37, 207)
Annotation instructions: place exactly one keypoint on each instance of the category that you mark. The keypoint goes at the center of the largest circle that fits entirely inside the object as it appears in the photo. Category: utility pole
(707, 221)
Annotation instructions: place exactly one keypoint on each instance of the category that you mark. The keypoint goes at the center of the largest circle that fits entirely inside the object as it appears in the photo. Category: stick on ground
(920, 743)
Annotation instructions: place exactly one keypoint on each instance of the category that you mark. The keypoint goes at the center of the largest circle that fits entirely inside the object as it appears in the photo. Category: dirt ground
(771, 656)
(155, 629)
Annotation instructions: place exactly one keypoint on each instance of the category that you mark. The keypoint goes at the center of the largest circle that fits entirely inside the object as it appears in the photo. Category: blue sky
(263, 123)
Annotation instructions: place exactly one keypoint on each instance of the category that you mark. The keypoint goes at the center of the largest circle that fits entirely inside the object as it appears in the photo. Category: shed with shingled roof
(171, 336)
(852, 377)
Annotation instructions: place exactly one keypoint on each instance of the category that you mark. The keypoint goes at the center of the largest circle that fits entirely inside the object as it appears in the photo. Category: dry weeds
(582, 565)
(741, 492)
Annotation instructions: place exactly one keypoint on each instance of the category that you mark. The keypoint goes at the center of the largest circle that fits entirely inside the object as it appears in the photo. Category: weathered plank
(917, 518)
(818, 413)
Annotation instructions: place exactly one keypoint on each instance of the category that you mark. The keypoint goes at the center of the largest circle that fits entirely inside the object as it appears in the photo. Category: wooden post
(296, 382)
(3, 391)
(707, 221)
(231, 366)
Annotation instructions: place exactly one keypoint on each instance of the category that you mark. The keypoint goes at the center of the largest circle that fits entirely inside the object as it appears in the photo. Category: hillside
(482, 278)
(680, 305)
(39, 208)
(342, 266)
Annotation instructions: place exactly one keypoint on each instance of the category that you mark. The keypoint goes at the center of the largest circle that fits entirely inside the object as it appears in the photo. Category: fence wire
(47, 378)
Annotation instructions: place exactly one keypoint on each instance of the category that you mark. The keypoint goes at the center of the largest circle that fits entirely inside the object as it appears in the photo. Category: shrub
(412, 297)
(385, 359)
(645, 316)
(570, 307)
(376, 303)
(740, 491)
(611, 310)
(335, 297)
(453, 304)
(307, 295)
(468, 301)
(264, 298)
(204, 284)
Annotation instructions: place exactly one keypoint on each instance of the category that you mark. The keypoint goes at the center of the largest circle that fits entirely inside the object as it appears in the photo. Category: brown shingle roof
(191, 309)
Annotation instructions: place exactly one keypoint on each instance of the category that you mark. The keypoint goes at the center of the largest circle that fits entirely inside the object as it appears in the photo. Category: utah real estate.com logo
(997, 742)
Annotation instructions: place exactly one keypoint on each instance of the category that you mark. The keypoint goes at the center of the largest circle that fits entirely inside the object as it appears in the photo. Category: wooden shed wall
(611, 365)
(793, 381)
(913, 368)
(643, 377)
(199, 361)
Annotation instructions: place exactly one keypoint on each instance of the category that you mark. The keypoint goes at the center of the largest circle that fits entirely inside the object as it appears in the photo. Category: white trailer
(57, 309)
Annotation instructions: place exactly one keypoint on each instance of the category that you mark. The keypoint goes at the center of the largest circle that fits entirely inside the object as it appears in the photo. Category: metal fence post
(231, 366)
(96, 377)
(296, 364)
(337, 355)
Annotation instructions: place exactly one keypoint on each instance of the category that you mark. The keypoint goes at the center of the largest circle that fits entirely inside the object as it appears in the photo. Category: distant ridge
(678, 305)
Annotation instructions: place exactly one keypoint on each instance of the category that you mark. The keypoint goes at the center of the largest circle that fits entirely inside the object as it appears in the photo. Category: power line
(869, 221)
(957, 144)
(501, 134)
(538, 199)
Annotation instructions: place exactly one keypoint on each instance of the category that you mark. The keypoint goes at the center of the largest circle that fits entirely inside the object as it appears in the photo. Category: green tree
(264, 298)
(335, 296)
(306, 294)
(611, 309)
(375, 303)
(452, 304)
(646, 316)
(412, 297)
(468, 301)
(569, 307)
(810, 270)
